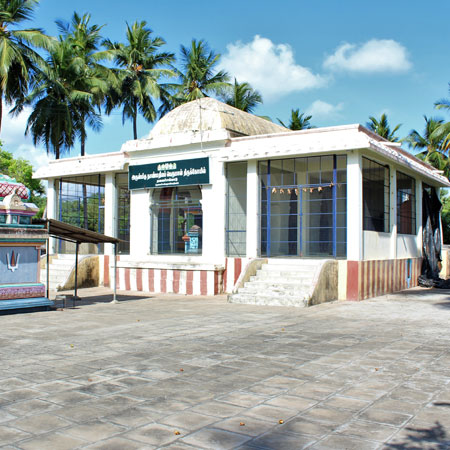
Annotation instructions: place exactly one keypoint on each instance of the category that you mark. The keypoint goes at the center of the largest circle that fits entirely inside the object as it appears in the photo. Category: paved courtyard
(182, 372)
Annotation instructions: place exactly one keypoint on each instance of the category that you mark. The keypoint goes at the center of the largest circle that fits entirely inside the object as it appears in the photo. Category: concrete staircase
(61, 267)
(280, 282)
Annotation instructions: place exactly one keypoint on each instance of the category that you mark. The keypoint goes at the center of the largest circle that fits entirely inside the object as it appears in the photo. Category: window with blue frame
(376, 192)
(304, 206)
(406, 204)
(236, 209)
(177, 221)
(123, 213)
(82, 202)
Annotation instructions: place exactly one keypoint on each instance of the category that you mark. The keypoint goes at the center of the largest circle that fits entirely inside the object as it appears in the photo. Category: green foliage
(55, 118)
(92, 77)
(243, 96)
(443, 131)
(432, 145)
(22, 171)
(18, 59)
(140, 70)
(382, 128)
(445, 216)
(198, 76)
(298, 121)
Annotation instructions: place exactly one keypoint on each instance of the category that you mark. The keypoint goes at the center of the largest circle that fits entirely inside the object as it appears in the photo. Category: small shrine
(20, 249)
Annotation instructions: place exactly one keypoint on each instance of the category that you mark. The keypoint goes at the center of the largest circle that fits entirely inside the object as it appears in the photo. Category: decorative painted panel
(18, 265)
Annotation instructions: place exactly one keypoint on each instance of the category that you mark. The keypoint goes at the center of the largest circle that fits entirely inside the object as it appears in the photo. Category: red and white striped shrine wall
(367, 279)
(177, 281)
(233, 268)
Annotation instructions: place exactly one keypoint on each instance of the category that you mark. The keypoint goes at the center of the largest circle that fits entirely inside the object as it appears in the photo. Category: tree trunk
(83, 137)
(1, 109)
(82, 153)
(135, 119)
(57, 152)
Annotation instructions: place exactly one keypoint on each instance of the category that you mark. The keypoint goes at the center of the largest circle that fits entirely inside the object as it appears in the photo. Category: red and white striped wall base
(178, 281)
(366, 279)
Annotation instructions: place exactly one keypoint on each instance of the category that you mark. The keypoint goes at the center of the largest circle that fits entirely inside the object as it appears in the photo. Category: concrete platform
(180, 372)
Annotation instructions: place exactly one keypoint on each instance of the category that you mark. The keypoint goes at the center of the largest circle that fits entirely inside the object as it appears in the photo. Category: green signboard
(186, 172)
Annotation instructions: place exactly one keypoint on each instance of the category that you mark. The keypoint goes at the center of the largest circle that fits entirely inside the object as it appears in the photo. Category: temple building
(215, 200)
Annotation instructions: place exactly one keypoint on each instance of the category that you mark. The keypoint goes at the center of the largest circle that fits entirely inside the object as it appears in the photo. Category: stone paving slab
(179, 372)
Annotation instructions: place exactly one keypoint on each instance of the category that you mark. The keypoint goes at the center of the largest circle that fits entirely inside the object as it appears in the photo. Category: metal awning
(75, 234)
(72, 233)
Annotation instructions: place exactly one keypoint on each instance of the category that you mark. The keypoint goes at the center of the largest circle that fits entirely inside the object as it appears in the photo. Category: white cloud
(270, 68)
(323, 110)
(21, 146)
(376, 55)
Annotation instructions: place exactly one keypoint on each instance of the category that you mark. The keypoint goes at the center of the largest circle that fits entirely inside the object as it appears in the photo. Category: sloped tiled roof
(208, 114)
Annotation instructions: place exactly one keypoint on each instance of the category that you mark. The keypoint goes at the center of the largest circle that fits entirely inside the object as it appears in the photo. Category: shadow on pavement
(100, 298)
(419, 438)
(444, 305)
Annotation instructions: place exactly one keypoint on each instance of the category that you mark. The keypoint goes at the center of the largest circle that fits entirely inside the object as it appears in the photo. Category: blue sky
(341, 61)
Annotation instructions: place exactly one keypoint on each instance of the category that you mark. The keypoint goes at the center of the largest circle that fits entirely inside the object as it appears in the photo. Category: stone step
(280, 282)
(264, 299)
(65, 256)
(57, 270)
(276, 291)
(293, 262)
(277, 275)
(288, 268)
(63, 263)
(262, 284)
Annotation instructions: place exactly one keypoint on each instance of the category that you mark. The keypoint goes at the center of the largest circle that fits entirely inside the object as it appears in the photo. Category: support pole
(114, 300)
(47, 246)
(76, 268)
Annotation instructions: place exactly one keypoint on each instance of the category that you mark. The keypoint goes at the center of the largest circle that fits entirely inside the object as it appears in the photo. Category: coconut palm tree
(243, 96)
(55, 119)
(139, 73)
(382, 128)
(443, 131)
(18, 59)
(198, 76)
(93, 77)
(298, 121)
(432, 145)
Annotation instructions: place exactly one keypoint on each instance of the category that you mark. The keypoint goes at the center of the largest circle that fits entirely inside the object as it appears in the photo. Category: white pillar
(52, 209)
(354, 207)
(419, 225)
(393, 210)
(252, 234)
(139, 223)
(213, 207)
(110, 210)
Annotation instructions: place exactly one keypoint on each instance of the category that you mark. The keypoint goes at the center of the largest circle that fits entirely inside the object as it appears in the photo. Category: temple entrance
(304, 207)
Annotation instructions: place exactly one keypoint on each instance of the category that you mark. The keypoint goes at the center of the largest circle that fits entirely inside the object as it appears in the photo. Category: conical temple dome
(207, 114)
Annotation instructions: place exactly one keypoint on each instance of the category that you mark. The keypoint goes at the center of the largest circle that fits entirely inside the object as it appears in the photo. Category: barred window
(375, 196)
(82, 202)
(406, 204)
(177, 220)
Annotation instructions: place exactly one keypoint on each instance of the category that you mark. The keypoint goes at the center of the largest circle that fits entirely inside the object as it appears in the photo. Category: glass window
(236, 217)
(305, 215)
(123, 213)
(375, 196)
(177, 220)
(25, 220)
(406, 204)
(82, 202)
(3, 218)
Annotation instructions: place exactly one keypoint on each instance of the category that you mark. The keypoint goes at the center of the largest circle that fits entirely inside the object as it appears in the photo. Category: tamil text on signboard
(174, 173)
